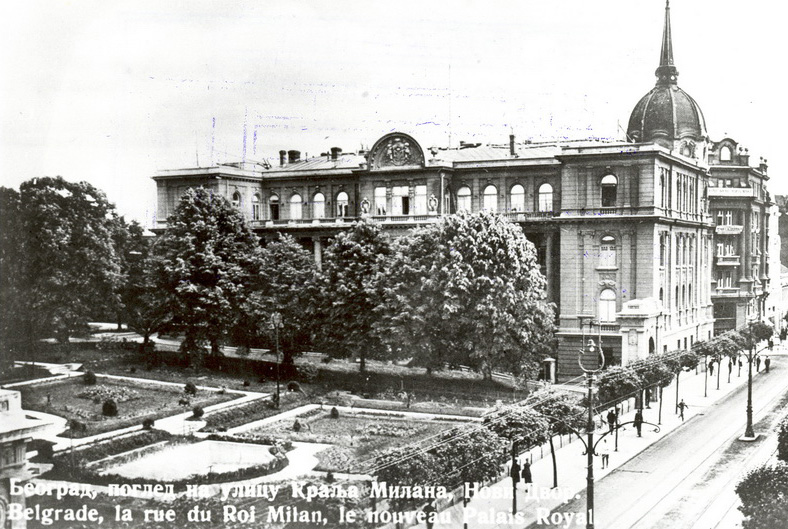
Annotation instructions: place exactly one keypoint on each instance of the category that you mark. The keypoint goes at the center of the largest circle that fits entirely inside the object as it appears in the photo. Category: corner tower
(667, 115)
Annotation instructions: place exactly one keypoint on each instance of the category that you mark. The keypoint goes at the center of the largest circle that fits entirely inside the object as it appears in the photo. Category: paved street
(686, 480)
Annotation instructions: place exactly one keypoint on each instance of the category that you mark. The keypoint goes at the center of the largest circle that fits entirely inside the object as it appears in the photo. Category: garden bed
(74, 400)
(222, 420)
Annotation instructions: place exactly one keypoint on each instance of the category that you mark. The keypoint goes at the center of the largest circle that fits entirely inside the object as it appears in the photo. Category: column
(549, 265)
(318, 247)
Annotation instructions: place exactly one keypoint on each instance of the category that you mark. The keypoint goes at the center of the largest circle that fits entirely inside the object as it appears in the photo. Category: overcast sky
(111, 91)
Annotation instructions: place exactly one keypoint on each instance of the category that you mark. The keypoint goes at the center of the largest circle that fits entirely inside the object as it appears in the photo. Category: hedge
(763, 492)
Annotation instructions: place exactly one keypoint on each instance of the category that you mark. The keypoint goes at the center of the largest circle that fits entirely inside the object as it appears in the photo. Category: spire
(666, 72)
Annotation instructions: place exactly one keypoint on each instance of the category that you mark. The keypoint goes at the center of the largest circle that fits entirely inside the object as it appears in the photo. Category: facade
(15, 431)
(624, 231)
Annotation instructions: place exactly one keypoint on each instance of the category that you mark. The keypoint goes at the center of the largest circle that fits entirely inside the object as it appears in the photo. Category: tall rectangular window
(400, 201)
(380, 201)
(420, 202)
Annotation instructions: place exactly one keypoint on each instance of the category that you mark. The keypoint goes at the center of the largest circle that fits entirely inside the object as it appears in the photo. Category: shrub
(782, 441)
(247, 383)
(190, 388)
(308, 372)
(293, 386)
(327, 359)
(133, 370)
(147, 424)
(109, 408)
(762, 493)
(197, 412)
(334, 413)
(90, 378)
(297, 426)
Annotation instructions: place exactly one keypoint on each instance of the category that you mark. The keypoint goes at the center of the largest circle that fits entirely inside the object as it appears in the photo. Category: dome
(666, 113)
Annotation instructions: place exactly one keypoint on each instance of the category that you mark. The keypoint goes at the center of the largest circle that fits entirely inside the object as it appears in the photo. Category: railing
(728, 260)
(609, 327)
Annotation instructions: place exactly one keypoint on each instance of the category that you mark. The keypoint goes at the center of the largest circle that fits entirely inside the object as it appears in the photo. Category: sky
(111, 91)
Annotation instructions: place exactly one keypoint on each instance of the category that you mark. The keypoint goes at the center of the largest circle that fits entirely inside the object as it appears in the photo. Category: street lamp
(591, 348)
(275, 325)
(749, 433)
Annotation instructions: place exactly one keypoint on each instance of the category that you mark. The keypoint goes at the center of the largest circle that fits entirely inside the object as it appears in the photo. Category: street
(686, 479)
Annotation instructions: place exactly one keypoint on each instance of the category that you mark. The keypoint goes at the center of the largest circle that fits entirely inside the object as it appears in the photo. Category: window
(273, 207)
(464, 199)
(380, 201)
(663, 246)
(661, 295)
(545, 197)
(725, 154)
(724, 279)
(256, 210)
(724, 217)
(420, 202)
(342, 204)
(400, 200)
(236, 199)
(319, 206)
(517, 195)
(295, 206)
(490, 199)
(607, 305)
(609, 191)
(607, 252)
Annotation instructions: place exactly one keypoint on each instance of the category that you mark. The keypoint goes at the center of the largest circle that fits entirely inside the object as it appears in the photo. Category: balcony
(728, 260)
(727, 291)
(522, 216)
(746, 192)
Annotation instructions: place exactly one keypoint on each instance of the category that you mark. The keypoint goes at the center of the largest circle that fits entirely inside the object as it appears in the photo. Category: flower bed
(255, 410)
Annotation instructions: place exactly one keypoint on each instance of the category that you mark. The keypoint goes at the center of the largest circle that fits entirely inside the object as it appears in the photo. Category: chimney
(335, 152)
(282, 155)
(764, 165)
(744, 156)
(511, 144)
(293, 156)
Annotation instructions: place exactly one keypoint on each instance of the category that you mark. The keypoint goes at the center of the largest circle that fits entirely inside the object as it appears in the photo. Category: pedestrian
(682, 406)
(638, 423)
(526, 474)
(711, 368)
(611, 419)
(604, 452)
(515, 473)
(766, 363)
(758, 364)
(429, 511)
(771, 344)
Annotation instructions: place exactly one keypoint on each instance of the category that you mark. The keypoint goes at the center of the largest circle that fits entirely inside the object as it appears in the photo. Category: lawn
(355, 439)
(75, 400)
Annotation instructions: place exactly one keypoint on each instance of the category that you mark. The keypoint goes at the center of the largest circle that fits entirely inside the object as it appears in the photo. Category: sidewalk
(492, 506)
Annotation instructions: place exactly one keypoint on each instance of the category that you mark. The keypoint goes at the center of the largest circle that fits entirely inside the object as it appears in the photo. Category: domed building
(623, 229)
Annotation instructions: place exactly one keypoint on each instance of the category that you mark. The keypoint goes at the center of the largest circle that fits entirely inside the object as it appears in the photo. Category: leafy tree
(58, 259)
(407, 466)
(564, 416)
(763, 492)
(202, 264)
(469, 454)
(348, 290)
(616, 384)
(755, 333)
(521, 425)
(282, 285)
(468, 290)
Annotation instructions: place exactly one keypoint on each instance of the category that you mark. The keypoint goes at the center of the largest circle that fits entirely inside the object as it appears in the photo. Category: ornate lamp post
(276, 324)
(591, 349)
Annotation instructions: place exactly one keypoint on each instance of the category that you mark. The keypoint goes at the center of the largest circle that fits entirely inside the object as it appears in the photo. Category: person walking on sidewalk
(515, 473)
(711, 368)
(612, 417)
(758, 364)
(682, 406)
(526, 474)
(604, 453)
(638, 423)
(766, 363)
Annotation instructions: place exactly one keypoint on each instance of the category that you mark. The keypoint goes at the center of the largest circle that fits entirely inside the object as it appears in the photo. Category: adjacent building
(627, 233)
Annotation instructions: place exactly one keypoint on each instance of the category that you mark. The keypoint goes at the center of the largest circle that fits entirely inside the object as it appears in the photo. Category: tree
(58, 257)
(282, 285)
(564, 416)
(467, 289)
(348, 290)
(762, 493)
(521, 425)
(468, 454)
(202, 264)
(407, 466)
(616, 384)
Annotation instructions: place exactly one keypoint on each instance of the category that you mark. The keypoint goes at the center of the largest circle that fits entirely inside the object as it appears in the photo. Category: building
(15, 431)
(623, 230)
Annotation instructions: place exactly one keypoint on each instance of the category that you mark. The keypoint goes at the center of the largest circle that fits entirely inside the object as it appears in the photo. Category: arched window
(607, 252)
(236, 199)
(490, 199)
(342, 204)
(256, 210)
(609, 186)
(607, 305)
(295, 206)
(517, 195)
(273, 207)
(545, 197)
(464, 199)
(725, 154)
(319, 206)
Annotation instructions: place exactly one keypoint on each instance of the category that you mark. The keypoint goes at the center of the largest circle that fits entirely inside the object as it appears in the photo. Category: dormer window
(609, 186)
(725, 154)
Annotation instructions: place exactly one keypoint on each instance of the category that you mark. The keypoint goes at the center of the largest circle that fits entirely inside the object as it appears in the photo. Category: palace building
(648, 245)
